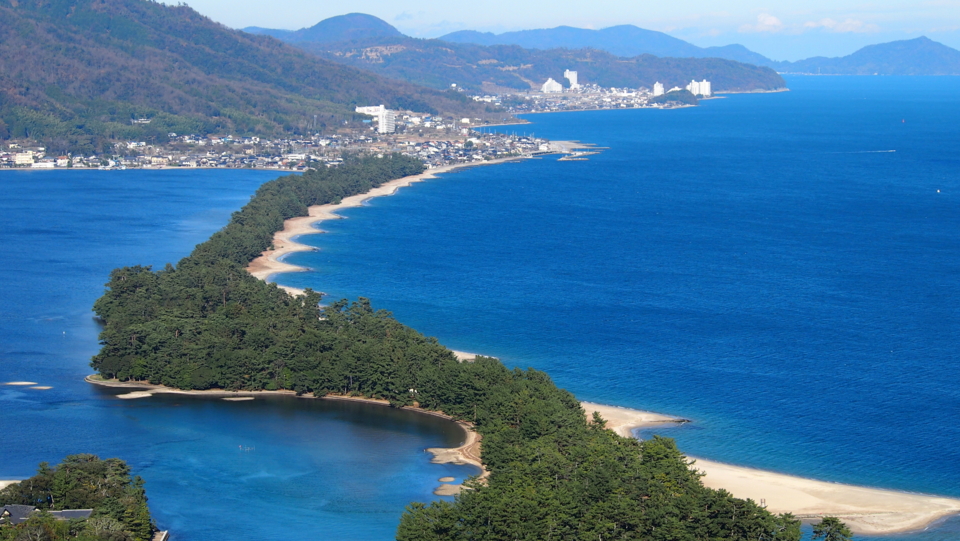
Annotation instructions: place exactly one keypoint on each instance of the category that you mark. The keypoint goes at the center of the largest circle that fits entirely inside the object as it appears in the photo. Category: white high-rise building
(700, 89)
(386, 119)
(572, 77)
(705, 88)
(657, 89)
(551, 86)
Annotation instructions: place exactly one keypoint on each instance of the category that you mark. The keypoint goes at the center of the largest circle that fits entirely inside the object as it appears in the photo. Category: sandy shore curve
(866, 510)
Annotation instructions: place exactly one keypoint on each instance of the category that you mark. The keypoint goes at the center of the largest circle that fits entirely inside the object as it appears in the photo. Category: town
(436, 140)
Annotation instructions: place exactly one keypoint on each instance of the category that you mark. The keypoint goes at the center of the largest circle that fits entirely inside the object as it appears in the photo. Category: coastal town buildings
(658, 89)
(551, 87)
(386, 119)
(572, 77)
(701, 88)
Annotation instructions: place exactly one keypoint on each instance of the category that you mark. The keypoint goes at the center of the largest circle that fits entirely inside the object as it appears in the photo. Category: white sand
(134, 395)
(238, 398)
(269, 263)
(21, 383)
(5, 484)
(865, 510)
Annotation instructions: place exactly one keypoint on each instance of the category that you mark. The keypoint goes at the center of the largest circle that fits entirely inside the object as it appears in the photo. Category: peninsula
(209, 324)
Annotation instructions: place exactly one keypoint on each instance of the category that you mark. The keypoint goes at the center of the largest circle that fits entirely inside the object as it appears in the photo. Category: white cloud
(842, 27)
(765, 23)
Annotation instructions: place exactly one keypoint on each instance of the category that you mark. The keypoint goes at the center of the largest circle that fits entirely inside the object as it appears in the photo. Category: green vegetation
(118, 501)
(554, 475)
(74, 73)
(677, 97)
(832, 529)
(437, 64)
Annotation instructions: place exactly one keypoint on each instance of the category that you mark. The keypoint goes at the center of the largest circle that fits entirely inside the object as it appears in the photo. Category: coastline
(5, 484)
(865, 510)
(467, 454)
(269, 263)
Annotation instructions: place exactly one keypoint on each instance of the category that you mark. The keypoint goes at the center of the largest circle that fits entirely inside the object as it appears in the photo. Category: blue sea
(783, 269)
(303, 468)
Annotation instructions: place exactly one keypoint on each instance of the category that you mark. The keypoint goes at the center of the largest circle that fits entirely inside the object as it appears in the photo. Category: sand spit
(5, 484)
(270, 263)
(866, 510)
(238, 398)
(21, 383)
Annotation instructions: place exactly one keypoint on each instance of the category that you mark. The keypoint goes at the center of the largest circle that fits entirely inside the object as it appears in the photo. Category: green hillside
(74, 73)
(439, 64)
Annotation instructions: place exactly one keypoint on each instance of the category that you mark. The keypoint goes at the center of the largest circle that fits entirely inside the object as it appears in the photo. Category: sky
(784, 30)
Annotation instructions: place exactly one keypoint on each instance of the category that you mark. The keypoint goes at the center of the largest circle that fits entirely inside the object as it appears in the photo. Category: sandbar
(866, 510)
(238, 398)
(42, 387)
(5, 484)
(21, 383)
(270, 262)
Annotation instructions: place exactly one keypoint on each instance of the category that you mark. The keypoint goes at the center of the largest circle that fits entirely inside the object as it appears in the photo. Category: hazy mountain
(439, 64)
(920, 56)
(624, 40)
(78, 71)
(366, 42)
(352, 26)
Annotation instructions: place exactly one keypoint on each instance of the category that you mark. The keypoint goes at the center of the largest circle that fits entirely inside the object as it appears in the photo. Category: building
(572, 77)
(23, 158)
(551, 87)
(16, 514)
(658, 89)
(386, 119)
(700, 89)
(706, 88)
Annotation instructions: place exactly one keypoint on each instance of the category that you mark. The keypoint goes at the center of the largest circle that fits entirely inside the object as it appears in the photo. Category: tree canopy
(207, 323)
(83, 481)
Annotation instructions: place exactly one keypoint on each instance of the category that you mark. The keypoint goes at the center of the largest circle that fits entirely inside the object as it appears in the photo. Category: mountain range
(920, 56)
(438, 64)
(624, 40)
(74, 73)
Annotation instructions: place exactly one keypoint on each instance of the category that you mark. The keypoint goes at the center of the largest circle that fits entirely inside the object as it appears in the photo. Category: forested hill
(208, 323)
(77, 71)
(439, 64)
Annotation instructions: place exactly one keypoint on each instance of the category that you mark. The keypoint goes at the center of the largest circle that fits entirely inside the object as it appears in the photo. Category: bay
(783, 269)
(300, 468)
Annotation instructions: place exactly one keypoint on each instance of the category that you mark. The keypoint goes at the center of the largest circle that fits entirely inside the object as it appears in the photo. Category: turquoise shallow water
(784, 269)
(304, 468)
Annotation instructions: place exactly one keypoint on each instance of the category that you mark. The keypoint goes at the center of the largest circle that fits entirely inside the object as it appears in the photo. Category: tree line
(207, 323)
(83, 481)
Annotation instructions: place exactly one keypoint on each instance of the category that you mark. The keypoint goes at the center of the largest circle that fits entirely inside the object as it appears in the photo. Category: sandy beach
(270, 263)
(865, 510)
(5, 484)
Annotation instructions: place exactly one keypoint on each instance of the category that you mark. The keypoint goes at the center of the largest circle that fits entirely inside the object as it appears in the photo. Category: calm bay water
(302, 468)
(783, 269)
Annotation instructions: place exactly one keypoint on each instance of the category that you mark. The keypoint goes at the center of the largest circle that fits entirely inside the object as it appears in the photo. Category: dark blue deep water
(783, 269)
(268, 469)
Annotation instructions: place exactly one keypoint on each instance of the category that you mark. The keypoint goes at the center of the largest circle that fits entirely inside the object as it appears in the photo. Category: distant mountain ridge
(382, 49)
(623, 40)
(920, 56)
(352, 26)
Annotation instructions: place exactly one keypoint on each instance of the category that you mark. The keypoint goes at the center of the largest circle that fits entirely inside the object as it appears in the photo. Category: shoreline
(865, 510)
(269, 263)
(467, 454)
